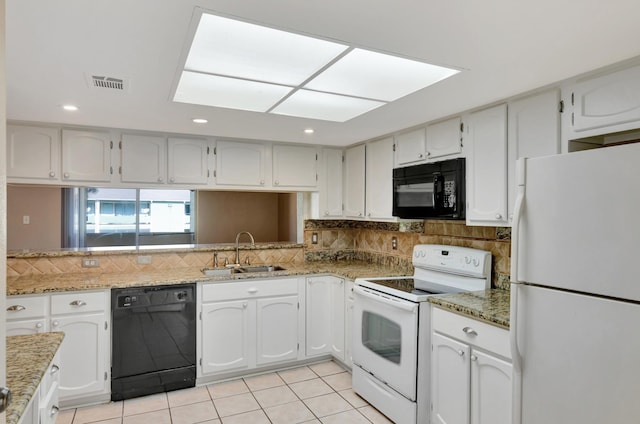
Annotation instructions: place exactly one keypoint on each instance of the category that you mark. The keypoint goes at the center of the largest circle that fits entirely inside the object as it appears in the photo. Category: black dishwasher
(153, 340)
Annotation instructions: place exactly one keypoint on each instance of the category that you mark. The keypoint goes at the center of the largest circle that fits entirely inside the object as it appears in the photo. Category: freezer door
(579, 358)
(579, 226)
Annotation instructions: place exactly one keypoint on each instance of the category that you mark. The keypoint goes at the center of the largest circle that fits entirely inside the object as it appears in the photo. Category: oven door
(385, 341)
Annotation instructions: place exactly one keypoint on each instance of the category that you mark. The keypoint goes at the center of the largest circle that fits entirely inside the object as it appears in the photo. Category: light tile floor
(319, 393)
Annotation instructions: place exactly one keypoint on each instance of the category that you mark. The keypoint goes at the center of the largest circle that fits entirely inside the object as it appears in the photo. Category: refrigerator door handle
(516, 406)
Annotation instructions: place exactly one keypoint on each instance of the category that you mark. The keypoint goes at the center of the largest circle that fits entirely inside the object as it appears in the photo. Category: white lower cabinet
(228, 321)
(248, 324)
(276, 329)
(325, 316)
(43, 408)
(470, 371)
(84, 354)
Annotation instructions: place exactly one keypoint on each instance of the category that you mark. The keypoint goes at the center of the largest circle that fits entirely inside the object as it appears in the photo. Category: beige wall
(221, 215)
(43, 205)
(287, 217)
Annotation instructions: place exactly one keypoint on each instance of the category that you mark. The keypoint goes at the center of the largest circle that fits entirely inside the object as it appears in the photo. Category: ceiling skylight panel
(328, 107)
(234, 48)
(374, 75)
(211, 90)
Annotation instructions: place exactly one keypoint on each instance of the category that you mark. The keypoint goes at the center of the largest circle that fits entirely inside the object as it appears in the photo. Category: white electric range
(391, 343)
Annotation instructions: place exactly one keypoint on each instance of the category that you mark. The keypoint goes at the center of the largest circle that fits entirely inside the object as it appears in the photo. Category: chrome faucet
(253, 243)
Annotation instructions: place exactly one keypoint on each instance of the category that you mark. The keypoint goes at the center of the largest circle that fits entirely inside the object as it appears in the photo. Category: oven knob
(467, 260)
(476, 262)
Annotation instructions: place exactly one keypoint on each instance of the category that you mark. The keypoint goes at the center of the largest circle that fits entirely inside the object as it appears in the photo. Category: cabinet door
(295, 166)
(27, 326)
(348, 324)
(444, 138)
(325, 316)
(450, 381)
(331, 184)
(533, 130)
(143, 159)
(410, 148)
(487, 167)
(277, 329)
(607, 100)
(226, 335)
(240, 163)
(490, 389)
(33, 153)
(354, 175)
(84, 354)
(86, 156)
(187, 161)
(379, 179)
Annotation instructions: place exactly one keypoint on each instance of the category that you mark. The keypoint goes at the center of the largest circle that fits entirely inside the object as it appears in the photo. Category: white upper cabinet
(379, 179)
(295, 166)
(533, 130)
(187, 161)
(240, 163)
(33, 153)
(606, 100)
(143, 159)
(86, 156)
(330, 190)
(410, 148)
(444, 138)
(354, 186)
(486, 172)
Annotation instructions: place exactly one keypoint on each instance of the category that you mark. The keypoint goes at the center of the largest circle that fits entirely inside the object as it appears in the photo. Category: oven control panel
(454, 259)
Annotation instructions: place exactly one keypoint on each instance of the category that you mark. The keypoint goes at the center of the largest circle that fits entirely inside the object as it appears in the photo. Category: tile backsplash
(374, 241)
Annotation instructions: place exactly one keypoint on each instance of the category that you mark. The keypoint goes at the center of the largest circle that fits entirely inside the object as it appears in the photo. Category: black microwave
(430, 191)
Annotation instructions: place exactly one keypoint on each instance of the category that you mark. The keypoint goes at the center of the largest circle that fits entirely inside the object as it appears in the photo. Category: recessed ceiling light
(309, 131)
(241, 65)
(199, 120)
(70, 107)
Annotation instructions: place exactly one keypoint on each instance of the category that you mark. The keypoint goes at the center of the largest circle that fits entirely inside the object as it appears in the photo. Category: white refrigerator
(575, 292)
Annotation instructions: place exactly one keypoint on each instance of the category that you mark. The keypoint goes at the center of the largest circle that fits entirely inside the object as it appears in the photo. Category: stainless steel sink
(241, 270)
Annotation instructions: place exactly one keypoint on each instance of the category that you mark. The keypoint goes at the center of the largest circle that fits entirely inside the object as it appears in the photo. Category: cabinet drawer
(75, 302)
(49, 406)
(471, 331)
(248, 289)
(19, 307)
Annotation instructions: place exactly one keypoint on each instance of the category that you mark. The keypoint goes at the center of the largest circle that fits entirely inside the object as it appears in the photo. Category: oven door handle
(387, 300)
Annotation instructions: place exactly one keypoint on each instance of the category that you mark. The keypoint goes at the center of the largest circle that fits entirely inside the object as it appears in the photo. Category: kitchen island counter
(28, 358)
(491, 305)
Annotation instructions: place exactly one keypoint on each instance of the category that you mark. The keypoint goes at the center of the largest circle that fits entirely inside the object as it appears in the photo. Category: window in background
(96, 217)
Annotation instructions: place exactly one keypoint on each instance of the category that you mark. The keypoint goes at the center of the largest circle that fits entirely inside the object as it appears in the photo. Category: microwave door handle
(436, 194)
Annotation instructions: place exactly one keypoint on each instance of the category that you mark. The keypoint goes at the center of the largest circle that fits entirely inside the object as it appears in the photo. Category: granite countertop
(491, 305)
(37, 284)
(28, 358)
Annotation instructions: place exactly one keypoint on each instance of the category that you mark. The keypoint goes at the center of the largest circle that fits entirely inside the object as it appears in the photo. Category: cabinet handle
(172, 180)
(498, 216)
(261, 182)
(39, 325)
(474, 358)
(78, 303)
(54, 369)
(428, 154)
(244, 305)
(16, 308)
(276, 182)
(52, 174)
(160, 179)
(461, 352)
(470, 331)
(252, 290)
(326, 213)
(65, 175)
(420, 156)
(55, 323)
(369, 214)
(54, 411)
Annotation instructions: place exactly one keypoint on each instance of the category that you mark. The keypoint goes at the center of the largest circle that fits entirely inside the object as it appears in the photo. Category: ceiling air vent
(96, 81)
(107, 82)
